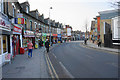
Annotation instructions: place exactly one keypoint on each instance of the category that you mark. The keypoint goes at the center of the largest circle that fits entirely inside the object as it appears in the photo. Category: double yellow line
(51, 68)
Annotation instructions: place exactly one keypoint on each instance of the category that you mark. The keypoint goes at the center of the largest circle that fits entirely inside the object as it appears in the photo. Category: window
(13, 9)
(0, 47)
(1, 5)
(4, 44)
(44, 28)
(27, 9)
(39, 27)
(30, 25)
(25, 24)
(35, 26)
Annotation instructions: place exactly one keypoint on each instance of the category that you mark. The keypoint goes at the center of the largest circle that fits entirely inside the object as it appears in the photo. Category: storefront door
(16, 46)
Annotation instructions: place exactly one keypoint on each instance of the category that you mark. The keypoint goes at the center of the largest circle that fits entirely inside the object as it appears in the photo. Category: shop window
(0, 46)
(4, 44)
(25, 41)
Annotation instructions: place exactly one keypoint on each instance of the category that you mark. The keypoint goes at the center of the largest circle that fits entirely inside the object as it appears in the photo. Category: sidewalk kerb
(99, 48)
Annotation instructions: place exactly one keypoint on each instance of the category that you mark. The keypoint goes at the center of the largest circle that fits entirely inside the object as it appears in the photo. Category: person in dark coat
(47, 46)
(85, 41)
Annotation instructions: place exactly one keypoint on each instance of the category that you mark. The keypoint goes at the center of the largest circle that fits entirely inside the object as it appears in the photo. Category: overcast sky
(71, 12)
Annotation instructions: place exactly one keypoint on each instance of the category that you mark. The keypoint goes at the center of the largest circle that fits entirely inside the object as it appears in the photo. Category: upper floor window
(35, 26)
(25, 24)
(27, 9)
(30, 25)
(13, 5)
(1, 6)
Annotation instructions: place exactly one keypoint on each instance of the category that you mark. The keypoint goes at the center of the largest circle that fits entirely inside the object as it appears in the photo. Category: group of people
(98, 42)
(30, 47)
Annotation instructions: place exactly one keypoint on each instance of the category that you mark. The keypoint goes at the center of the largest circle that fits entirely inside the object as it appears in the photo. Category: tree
(116, 5)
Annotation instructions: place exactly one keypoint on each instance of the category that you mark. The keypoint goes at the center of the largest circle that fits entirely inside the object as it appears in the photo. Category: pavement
(24, 67)
(92, 45)
(82, 62)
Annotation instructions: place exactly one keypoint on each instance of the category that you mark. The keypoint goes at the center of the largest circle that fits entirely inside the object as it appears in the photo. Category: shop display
(25, 41)
(4, 44)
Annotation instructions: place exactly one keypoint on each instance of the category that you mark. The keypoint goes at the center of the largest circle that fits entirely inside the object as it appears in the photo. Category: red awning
(55, 34)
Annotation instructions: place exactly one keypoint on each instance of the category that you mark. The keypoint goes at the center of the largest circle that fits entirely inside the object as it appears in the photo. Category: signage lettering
(4, 23)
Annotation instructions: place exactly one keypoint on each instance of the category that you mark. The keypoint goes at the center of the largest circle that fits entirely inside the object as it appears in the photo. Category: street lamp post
(49, 26)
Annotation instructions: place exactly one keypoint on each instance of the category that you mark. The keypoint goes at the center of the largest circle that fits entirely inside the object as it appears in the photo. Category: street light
(49, 26)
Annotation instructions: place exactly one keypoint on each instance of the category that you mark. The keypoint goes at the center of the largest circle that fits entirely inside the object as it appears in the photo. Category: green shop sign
(44, 34)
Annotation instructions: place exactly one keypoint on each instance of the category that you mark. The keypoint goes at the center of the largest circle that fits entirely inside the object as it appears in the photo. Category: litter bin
(22, 51)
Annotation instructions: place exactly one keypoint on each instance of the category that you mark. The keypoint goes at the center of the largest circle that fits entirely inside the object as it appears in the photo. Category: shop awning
(4, 32)
(55, 35)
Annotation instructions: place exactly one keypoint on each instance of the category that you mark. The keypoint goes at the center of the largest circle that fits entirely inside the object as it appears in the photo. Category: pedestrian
(40, 43)
(99, 42)
(47, 45)
(85, 41)
(93, 40)
(30, 47)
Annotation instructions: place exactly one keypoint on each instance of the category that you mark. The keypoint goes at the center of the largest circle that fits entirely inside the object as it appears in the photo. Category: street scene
(57, 40)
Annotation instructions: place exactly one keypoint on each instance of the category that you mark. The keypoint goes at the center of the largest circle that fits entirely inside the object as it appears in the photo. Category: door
(15, 44)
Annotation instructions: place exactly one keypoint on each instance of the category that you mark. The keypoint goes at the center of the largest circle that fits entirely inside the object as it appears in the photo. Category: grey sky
(72, 12)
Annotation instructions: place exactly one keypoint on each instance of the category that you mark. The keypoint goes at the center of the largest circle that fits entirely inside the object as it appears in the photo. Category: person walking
(99, 42)
(40, 43)
(47, 45)
(30, 47)
(85, 41)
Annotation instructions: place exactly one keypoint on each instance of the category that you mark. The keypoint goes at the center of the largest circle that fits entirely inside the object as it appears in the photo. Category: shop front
(44, 36)
(16, 40)
(27, 36)
(55, 38)
(37, 39)
(5, 34)
(59, 38)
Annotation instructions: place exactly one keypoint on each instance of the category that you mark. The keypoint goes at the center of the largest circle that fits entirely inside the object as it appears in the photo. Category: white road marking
(66, 70)
(54, 56)
(89, 56)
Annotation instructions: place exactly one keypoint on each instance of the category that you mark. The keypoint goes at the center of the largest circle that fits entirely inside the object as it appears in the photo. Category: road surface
(82, 62)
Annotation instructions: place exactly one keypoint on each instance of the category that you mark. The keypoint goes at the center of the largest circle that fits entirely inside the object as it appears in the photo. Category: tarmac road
(81, 62)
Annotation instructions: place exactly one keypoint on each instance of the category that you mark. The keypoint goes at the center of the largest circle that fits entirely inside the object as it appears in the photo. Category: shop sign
(7, 57)
(38, 34)
(17, 30)
(48, 34)
(59, 35)
(44, 34)
(28, 33)
(55, 34)
(5, 24)
(18, 21)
